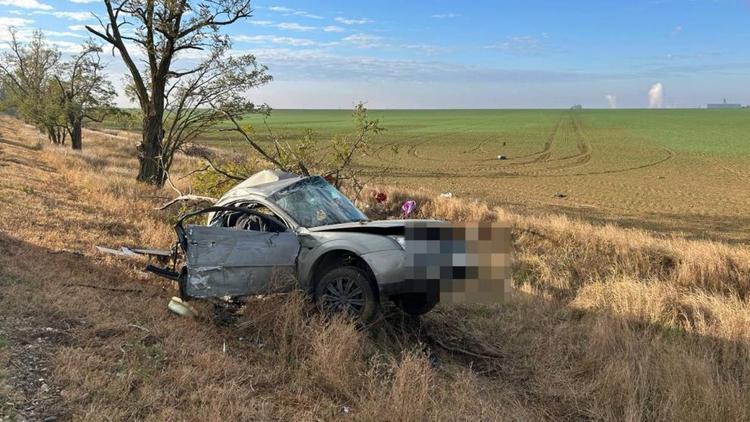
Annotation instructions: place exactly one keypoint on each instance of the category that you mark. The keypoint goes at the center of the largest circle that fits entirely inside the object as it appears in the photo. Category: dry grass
(606, 323)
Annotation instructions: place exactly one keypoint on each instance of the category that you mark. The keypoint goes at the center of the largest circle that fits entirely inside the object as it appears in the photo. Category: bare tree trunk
(150, 151)
(53, 135)
(75, 133)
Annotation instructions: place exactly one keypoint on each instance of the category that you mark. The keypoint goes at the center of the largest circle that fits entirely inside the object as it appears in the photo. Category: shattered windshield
(313, 202)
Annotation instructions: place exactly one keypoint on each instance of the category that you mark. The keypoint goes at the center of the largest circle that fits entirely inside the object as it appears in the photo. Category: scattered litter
(224, 347)
(181, 308)
(502, 157)
(659, 177)
(346, 409)
(561, 195)
(408, 207)
(446, 195)
(380, 197)
(123, 251)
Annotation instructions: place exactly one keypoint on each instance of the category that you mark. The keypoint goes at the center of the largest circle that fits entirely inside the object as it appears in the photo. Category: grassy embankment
(607, 323)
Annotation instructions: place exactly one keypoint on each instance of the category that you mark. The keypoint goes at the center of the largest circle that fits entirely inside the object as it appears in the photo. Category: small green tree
(84, 92)
(49, 114)
(3, 97)
(333, 159)
(27, 73)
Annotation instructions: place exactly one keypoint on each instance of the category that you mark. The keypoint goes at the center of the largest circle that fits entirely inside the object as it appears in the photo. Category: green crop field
(670, 170)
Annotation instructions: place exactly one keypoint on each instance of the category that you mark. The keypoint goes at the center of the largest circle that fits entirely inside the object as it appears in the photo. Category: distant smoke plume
(611, 100)
(656, 96)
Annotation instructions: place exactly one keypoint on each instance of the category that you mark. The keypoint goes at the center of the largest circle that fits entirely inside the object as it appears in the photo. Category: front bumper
(389, 270)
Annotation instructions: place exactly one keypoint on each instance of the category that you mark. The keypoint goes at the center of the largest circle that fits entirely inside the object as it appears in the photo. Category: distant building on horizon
(724, 105)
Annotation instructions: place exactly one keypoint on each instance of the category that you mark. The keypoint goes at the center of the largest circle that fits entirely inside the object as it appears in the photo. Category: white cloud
(7, 22)
(23, 33)
(349, 21)
(26, 4)
(426, 48)
(611, 100)
(296, 42)
(656, 96)
(449, 15)
(78, 28)
(76, 16)
(62, 34)
(66, 46)
(333, 28)
(84, 1)
(289, 11)
(364, 40)
(320, 64)
(519, 44)
(293, 26)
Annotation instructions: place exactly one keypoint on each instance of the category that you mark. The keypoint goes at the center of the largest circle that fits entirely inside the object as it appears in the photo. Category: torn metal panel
(228, 262)
(125, 251)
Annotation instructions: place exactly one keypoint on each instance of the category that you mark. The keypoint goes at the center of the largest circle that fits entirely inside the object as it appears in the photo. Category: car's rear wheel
(417, 303)
(348, 290)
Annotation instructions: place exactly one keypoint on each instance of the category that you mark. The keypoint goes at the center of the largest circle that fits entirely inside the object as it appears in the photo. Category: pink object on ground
(408, 207)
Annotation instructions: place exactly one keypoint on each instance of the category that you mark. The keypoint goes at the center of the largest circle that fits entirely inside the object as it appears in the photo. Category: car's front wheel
(350, 291)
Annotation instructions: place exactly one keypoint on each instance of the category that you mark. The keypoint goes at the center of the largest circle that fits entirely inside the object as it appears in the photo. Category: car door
(225, 261)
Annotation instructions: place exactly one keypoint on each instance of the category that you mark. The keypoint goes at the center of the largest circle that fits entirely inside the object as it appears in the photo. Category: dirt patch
(29, 343)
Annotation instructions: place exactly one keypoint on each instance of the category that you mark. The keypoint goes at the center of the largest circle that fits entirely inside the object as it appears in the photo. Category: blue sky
(478, 54)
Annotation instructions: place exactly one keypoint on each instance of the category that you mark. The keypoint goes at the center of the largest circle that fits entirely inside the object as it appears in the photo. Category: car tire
(417, 303)
(349, 290)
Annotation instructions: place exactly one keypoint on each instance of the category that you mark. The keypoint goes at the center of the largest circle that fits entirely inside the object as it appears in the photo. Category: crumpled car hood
(384, 227)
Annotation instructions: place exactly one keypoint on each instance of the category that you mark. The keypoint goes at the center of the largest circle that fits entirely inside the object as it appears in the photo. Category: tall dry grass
(605, 323)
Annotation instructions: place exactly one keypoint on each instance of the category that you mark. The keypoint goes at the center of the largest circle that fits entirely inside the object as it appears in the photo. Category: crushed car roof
(263, 183)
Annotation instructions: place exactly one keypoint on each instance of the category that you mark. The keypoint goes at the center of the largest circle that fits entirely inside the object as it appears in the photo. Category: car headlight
(400, 240)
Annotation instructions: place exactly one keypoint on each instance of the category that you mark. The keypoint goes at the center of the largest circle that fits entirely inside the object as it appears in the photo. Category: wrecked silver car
(277, 231)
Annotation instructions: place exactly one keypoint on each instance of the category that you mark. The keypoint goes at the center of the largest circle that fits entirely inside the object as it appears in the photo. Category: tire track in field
(549, 145)
(584, 148)
(539, 174)
(413, 149)
(477, 148)
(414, 152)
(547, 149)
(745, 177)
(581, 158)
(528, 169)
